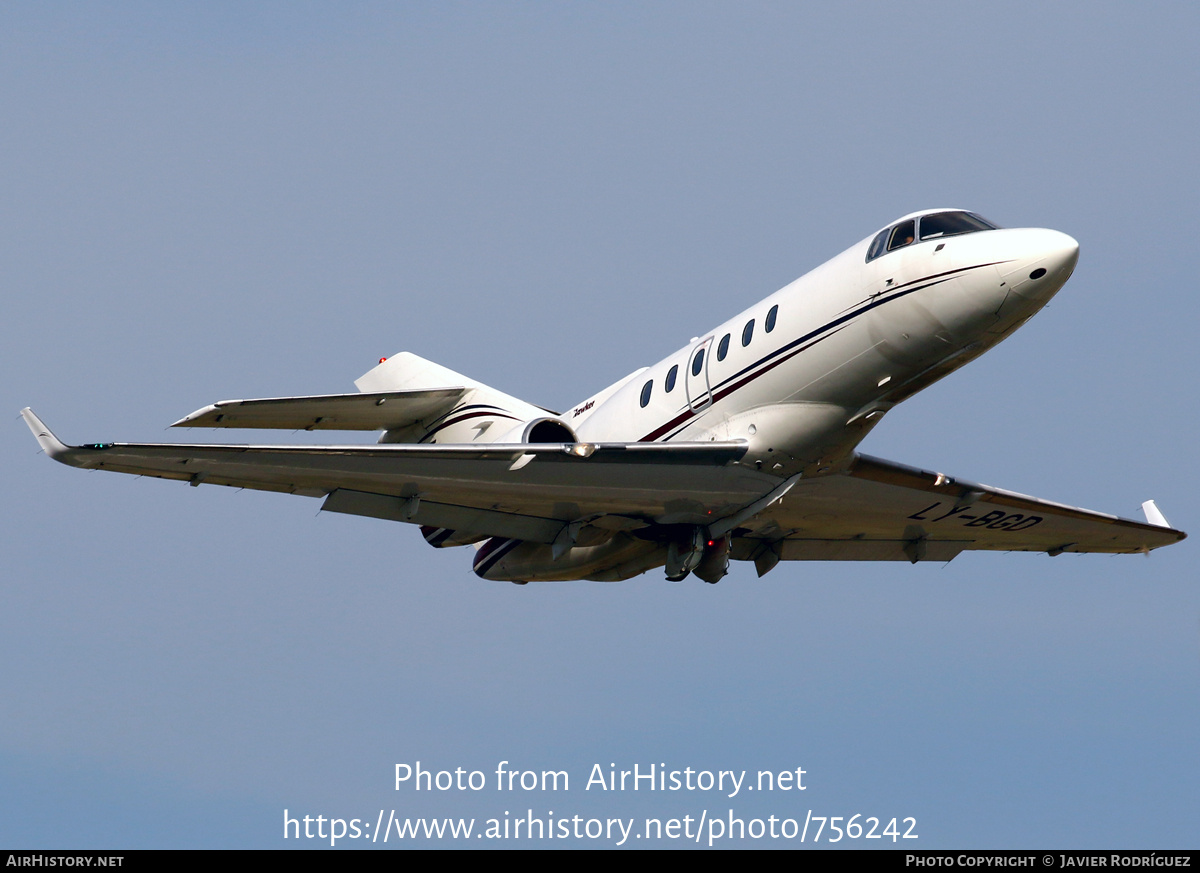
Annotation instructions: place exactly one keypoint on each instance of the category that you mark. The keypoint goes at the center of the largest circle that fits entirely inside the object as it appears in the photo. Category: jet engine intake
(547, 430)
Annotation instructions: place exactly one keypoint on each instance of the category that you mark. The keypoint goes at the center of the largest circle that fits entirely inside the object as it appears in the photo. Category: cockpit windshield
(933, 226)
(952, 224)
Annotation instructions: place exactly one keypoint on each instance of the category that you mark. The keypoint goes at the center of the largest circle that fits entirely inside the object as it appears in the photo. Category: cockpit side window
(903, 234)
(941, 224)
(878, 245)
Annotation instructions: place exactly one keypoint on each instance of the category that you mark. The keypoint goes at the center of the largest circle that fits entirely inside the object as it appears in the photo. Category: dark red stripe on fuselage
(489, 412)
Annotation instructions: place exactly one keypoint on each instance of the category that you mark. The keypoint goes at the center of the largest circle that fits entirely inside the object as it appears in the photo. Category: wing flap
(384, 410)
(810, 549)
(443, 515)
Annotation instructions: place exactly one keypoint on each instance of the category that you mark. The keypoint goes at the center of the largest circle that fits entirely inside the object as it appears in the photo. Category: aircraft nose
(1044, 261)
(1061, 253)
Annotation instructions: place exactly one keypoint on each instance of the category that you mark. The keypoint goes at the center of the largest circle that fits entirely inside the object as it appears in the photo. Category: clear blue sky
(212, 201)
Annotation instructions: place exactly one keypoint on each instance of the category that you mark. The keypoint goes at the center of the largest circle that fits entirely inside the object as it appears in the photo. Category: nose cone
(1039, 262)
(1060, 254)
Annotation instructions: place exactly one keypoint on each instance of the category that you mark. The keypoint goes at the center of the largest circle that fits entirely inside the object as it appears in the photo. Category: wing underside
(876, 510)
(881, 510)
(527, 491)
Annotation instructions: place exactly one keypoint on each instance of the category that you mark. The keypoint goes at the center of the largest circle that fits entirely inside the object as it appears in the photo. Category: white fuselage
(848, 340)
(802, 376)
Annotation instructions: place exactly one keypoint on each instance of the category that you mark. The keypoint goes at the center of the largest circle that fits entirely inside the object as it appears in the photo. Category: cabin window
(771, 316)
(902, 235)
(646, 389)
(723, 348)
(952, 224)
(698, 363)
(671, 374)
(748, 333)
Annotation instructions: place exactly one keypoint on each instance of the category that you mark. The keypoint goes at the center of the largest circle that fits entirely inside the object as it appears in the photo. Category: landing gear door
(696, 379)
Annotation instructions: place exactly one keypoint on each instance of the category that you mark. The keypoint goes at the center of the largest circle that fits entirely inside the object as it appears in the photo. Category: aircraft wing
(523, 491)
(876, 510)
(881, 510)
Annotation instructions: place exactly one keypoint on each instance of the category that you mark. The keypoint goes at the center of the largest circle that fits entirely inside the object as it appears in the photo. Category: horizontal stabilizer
(386, 410)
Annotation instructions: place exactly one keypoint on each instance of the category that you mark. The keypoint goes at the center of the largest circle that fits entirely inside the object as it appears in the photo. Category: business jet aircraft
(740, 445)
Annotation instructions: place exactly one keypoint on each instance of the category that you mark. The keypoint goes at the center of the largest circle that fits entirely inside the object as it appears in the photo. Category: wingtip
(1154, 515)
(51, 445)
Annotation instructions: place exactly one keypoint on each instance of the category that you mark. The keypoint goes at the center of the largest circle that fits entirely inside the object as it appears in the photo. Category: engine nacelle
(537, 430)
(607, 558)
(444, 537)
(520, 561)
(546, 429)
